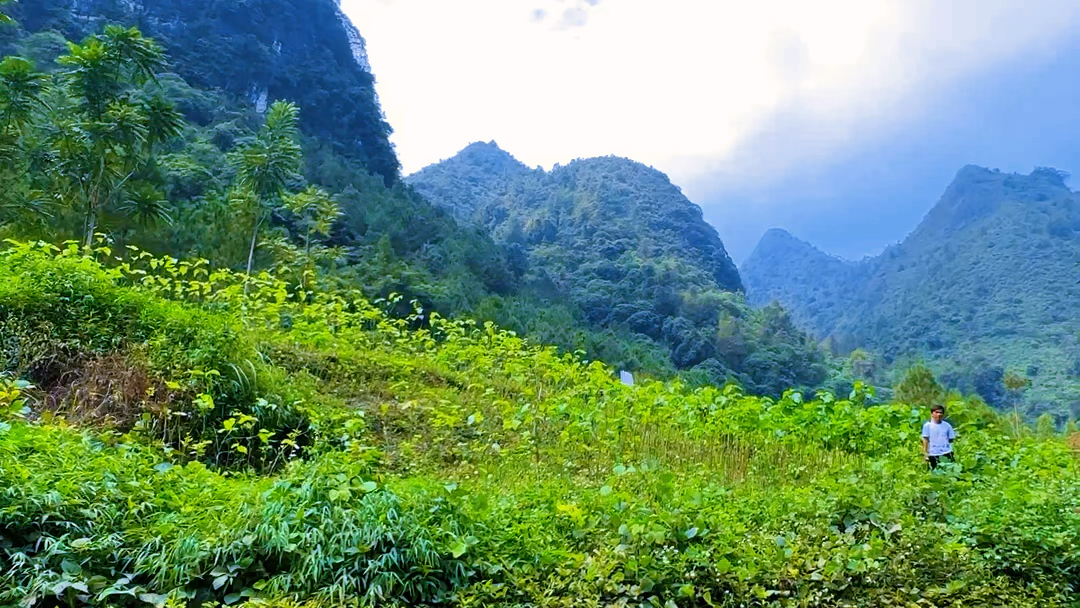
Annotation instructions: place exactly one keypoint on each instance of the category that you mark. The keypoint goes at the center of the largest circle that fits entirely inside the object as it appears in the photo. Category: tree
(919, 387)
(108, 136)
(313, 212)
(21, 89)
(264, 165)
(20, 94)
(1014, 385)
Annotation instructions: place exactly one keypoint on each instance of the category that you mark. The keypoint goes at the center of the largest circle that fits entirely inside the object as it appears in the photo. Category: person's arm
(925, 448)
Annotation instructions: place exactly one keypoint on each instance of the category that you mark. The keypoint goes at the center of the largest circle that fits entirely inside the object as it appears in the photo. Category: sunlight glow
(683, 84)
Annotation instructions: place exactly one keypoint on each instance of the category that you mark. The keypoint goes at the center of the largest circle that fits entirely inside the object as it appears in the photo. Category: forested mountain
(630, 252)
(817, 285)
(986, 284)
(183, 194)
(306, 51)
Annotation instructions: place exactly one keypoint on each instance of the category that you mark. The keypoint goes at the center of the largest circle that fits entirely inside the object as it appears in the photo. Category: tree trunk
(251, 251)
(91, 225)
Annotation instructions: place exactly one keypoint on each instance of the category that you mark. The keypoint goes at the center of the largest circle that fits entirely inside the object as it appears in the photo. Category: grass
(313, 450)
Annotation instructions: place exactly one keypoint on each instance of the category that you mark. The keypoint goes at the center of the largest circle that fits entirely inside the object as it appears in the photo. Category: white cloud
(687, 86)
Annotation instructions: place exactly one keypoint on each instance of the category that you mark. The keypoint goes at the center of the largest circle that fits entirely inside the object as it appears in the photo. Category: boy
(937, 438)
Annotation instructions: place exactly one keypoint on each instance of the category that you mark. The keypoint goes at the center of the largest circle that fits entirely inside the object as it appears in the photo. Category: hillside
(306, 51)
(252, 183)
(985, 284)
(179, 438)
(630, 252)
(813, 285)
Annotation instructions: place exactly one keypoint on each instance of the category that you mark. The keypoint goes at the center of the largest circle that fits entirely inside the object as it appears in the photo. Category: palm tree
(265, 163)
(21, 90)
(109, 135)
(20, 93)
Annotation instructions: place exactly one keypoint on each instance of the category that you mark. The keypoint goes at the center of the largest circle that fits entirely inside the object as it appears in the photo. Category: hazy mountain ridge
(986, 283)
(789, 270)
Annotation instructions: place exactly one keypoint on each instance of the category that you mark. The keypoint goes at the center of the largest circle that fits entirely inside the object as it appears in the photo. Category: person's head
(937, 412)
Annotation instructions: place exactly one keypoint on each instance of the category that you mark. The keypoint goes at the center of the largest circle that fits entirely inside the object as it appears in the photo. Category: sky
(841, 121)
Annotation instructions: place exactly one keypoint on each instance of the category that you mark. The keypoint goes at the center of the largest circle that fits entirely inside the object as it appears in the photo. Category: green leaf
(153, 598)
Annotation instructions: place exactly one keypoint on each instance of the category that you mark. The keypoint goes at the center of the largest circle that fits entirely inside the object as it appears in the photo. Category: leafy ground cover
(175, 435)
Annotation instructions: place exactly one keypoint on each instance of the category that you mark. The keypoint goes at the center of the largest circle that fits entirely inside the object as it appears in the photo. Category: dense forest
(982, 290)
(305, 51)
(632, 254)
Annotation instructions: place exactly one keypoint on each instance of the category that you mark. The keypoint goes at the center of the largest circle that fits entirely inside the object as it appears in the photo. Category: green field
(192, 438)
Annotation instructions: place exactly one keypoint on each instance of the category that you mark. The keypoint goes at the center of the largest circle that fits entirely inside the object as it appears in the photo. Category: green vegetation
(985, 287)
(630, 254)
(185, 168)
(180, 442)
(241, 49)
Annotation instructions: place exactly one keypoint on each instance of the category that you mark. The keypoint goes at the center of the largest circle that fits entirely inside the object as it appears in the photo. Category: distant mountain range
(987, 283)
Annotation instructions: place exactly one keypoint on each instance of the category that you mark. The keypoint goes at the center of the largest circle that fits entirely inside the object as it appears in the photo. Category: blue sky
(1019, 115)
(841, 121)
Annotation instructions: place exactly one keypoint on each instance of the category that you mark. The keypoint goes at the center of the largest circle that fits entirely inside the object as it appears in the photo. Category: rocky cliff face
(306, 51)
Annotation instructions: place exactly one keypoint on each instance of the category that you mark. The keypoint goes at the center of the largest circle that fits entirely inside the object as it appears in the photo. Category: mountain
(810, 283)
(987, 283)
(306, 51)
(471, 178)
(629, 210)
(621, 243)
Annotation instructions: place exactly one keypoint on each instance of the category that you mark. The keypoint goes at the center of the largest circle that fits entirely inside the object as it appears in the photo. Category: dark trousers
(933, 461)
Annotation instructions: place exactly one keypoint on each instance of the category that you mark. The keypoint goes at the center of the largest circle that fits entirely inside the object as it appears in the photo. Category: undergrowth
(176, 435)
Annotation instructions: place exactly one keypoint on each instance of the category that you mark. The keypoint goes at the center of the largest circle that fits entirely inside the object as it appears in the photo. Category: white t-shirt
(941, 436)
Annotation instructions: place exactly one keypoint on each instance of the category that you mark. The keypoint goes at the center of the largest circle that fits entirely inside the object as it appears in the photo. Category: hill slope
(306, 51)
(629, 251)
(985, 284)
(183, 446)
(813, 285)
(611, 231)
(185, 198)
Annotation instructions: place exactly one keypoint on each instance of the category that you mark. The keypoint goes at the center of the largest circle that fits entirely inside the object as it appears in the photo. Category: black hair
(938, 408)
